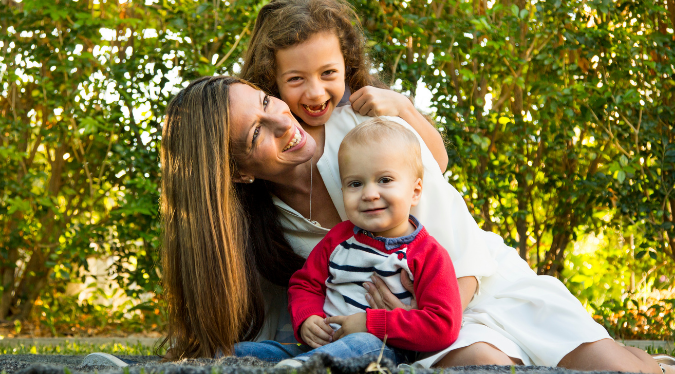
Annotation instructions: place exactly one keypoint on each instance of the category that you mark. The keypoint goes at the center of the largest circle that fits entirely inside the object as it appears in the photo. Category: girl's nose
(315, 89)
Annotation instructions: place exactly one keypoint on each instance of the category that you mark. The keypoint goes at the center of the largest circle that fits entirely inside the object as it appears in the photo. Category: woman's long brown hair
(284, 23)
(218, 236)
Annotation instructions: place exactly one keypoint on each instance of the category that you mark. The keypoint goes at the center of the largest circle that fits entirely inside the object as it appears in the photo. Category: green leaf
(623, 160)
(514, 10)
(621, 176)
(523, 13)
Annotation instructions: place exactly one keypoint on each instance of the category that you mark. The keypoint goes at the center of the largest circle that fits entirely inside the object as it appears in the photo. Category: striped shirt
(331, 284)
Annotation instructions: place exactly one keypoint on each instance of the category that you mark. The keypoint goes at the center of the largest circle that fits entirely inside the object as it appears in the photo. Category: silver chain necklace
(311, 188)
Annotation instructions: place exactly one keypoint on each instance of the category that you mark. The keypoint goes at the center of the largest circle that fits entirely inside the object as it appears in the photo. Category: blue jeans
(350, 346)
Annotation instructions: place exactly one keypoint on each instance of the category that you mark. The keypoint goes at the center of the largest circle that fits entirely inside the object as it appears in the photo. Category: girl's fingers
(356, 95)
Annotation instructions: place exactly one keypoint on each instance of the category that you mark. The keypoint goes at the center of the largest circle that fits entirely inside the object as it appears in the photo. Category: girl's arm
(373, 101)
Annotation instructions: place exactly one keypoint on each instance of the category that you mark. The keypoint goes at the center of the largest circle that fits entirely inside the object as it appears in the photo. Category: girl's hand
(316, 332)
(380, 297)
(350, 324)
(373, 101)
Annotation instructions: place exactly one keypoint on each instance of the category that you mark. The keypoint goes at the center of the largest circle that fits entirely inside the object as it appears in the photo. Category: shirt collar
(393, 243)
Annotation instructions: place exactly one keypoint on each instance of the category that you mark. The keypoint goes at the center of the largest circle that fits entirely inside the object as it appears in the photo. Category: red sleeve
(307, 287)
(435, 325)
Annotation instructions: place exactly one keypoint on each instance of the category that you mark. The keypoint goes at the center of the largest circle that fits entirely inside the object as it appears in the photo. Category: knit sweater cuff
(376, 322)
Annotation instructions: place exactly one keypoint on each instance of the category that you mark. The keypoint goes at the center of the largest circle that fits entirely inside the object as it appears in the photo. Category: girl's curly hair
(284, 23)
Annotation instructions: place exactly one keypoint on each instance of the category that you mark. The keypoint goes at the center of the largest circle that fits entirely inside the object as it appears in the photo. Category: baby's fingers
(326, 327)
(314, 342)
(321, 336)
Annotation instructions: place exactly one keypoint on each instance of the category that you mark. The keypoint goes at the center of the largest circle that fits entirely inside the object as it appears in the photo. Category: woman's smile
(297, 141)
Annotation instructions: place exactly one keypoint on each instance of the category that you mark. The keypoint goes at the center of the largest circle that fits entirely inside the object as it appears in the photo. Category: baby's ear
(417, 192)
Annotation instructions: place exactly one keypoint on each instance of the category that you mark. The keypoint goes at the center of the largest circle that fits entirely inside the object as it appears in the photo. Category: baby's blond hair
(380, 130)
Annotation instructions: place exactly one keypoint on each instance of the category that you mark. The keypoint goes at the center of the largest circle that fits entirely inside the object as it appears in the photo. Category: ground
(71, 364)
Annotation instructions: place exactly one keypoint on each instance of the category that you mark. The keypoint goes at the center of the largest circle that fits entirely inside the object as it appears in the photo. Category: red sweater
(330, 284)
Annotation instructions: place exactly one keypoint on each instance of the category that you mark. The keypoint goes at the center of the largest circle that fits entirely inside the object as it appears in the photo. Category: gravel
(64, 364)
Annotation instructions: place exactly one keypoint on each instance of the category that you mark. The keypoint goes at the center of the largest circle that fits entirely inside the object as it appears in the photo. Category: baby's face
(379, 187)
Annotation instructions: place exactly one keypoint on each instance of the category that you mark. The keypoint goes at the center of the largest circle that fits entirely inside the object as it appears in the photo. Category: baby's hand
(316, 332)
(373, 101)
(350, 324)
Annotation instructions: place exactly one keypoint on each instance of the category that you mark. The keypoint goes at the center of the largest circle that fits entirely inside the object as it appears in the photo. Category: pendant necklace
(311, 187)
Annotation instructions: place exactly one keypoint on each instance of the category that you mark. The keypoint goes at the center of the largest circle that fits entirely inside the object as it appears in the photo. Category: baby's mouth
(313, 109)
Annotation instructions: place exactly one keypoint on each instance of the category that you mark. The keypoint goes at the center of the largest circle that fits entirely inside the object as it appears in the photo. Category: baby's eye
(354, 184)
(386, 179)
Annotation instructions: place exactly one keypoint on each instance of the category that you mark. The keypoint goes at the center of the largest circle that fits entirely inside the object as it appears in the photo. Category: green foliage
(559, 116)
(77, 348)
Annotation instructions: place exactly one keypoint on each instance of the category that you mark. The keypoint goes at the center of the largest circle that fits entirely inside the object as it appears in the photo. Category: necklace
(311, 187)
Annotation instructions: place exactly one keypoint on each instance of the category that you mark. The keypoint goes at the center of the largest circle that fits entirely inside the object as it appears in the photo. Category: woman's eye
(256, 132)
(266, 101)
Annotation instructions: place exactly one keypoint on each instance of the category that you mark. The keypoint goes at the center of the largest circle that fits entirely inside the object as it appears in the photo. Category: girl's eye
(266, 101)
(386, 180)
(293, 79)
(329, 72)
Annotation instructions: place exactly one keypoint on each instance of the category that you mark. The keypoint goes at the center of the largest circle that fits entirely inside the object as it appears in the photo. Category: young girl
(308, 53)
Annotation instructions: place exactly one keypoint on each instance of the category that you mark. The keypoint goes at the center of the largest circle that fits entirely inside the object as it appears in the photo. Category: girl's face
(267, 140)
(311, 77)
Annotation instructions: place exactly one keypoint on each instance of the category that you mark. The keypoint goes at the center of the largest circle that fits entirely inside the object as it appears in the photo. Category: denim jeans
(350, 346)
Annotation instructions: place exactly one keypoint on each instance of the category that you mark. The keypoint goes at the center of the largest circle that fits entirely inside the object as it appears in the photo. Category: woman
(226, 259)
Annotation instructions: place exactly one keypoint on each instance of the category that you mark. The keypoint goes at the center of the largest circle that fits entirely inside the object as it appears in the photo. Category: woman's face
(267, 140)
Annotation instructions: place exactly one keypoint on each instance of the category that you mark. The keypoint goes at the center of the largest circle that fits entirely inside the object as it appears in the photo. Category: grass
(653, 350)
(77, 348)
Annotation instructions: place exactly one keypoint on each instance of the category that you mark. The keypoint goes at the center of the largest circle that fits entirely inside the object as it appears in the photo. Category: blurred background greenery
(558, 117)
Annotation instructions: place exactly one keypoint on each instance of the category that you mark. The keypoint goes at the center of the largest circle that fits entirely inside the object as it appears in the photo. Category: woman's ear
(243, 178)
(417, 192)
